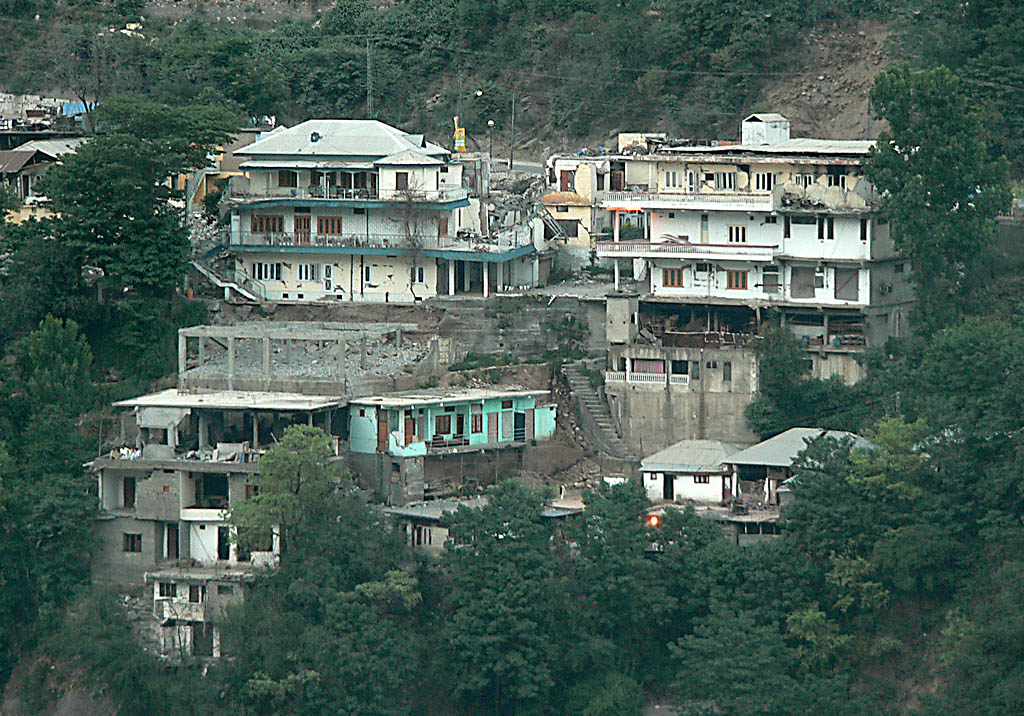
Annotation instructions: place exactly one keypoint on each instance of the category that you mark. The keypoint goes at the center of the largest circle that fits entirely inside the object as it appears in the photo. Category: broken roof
(442, 395)
(54, 148)
(690, 457)
(781, 450)
(796, 145)
(340, 138)
(233, 400)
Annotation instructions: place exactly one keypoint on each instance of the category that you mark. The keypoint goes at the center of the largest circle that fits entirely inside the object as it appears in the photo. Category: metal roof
(340, 138)
(766, 117)
(690, 457)
(233, 400)
(434, 397)
(14, 160)
(797, 145)
(408, 158)
(781, 450)
(315, 164)
(54, 148)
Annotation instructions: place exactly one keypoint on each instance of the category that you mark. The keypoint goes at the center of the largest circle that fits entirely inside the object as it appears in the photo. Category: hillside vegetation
(578, 68)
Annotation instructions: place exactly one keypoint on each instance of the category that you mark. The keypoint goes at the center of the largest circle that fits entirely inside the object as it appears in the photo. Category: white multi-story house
(358, 210)
(733, 232)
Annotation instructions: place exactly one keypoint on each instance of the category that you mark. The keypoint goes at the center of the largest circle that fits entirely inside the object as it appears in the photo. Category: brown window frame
(732, 281)
(131, 542)
(328, 225)
(445, 421)
(672, 277)
(401, 181)
(267, 224)
(702, 479)
(287, 179)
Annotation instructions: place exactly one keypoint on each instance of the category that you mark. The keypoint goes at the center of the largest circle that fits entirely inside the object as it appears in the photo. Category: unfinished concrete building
(185, 460)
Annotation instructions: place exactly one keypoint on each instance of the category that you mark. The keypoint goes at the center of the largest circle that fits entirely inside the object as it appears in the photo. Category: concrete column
(216, 641)
(485, 268)
(266, 357)
(231, 362)
(536, 270)
(615, 226)
(182, 353)
(204, 431)
(465, 276)
(202, 350)
(616, 263)
(255, 430)
(451, 277)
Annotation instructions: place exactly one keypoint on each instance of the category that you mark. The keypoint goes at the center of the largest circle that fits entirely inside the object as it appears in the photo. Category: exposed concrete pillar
(255, 429)
(216, 643)
(451, 277)
(182, 353)
(485, 268)
(465, 276)
(616, 262)
(266, 357)
(615, 226)
(204, 431)
(231, 362)
(536, 270)
(202, 350)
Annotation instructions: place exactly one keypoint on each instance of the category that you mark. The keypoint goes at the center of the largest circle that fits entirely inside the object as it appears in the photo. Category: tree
(55, 368)
(293, 485)
(504, 602)
(941, 187)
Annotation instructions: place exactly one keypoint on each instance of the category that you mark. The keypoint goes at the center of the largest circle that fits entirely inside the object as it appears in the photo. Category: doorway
(668, 487)
(328, 277)
(171, 550)
(223, 544)
(519, 427)
(302, 228)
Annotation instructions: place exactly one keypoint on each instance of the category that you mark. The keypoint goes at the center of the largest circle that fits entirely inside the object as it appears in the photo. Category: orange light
(653, 520)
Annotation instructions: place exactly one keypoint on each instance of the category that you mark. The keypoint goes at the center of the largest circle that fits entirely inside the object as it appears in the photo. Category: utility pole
(512, 141)
(369, 81)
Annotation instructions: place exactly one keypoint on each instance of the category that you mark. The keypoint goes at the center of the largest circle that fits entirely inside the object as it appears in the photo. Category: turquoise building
(417, 444)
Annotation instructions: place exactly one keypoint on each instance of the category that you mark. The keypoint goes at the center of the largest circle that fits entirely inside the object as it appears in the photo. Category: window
(736, 280)
(671, 214)
(128, 492)
(725, 180)
(835, 179)
(801, 282)
(328, 225)
(692, 181)
(737, 234)
(264, 271)
(695, 370)
(286, 178)
(770, 279)
(267, 224)
(131, 542)
(251, 490)
(771, 219)
(680, 367)
(847, 284)
(506, 405)
(442, 424)
(702, 479)
(366, 274)
(672, 277)
(727, 371)
(225, 589)
(417, 274)
(819, 278)
(168, 589)
(702, 268)
(562, 209)
(787, 229)
(600, 182)
(803, 180)
(826, 228)
(673, 179)
(358, 212)
(195, 593)
(863, 229)
(477, 422)
(703, 222)
(764, 181)
(307, 272)
(804, 219)
(401, 181)
(571, 227)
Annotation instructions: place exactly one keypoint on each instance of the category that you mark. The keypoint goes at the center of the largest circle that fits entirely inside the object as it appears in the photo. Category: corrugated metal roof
(690, 456)
(781, 450)
(797, 145)
(14, 160)
(340, 138)
(408, 158)
(767, 117)
(316, 164)
(441, 395)
(233, 400)
(54, 147)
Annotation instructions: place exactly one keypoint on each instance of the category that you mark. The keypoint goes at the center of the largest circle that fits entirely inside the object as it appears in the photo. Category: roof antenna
(314, 137)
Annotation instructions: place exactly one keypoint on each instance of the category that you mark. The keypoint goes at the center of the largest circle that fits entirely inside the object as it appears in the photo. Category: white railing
(500, 242)
(645, 378)
(641, 248)
(764, 201)
(679, 380)
(389, 195)
(615, 376)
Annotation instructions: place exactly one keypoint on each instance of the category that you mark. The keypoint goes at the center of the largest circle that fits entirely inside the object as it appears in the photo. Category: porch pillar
(451, 277)
(465, 276)
(182, 353)
(231, 362)
(616, 219)
(485, 269)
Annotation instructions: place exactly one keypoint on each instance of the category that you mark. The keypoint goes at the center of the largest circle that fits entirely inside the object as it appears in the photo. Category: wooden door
(530, 428)
(668, 488)
(302, 228)
(409, 429)
(492, 427)
(172, 541)
(460, 425)
(382, 432)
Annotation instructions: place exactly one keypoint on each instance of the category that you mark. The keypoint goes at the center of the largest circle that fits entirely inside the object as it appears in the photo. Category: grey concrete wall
(152, 502)
(482, 468)
(653, 416)
(112, 565)
(827, 364)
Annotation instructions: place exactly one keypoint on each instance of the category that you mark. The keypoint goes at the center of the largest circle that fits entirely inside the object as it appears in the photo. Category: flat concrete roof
(440, 396)
(234, 573)
(234, 400)
(434, 510)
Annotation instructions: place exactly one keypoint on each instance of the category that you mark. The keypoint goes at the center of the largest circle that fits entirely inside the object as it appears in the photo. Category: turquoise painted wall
(363, 429)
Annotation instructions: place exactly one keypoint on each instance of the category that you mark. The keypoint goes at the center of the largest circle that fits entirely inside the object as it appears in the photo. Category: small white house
(690, 470)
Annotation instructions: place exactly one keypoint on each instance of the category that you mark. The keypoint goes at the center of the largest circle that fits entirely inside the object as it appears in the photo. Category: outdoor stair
(595, 419)
(221, 282)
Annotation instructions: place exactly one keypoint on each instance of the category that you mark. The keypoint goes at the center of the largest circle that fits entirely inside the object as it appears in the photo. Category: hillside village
(322, 413)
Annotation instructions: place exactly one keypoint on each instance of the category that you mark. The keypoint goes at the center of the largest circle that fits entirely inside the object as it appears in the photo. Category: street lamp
(490, 141)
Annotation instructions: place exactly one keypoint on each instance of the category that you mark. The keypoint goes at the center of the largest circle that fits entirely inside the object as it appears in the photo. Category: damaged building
(734, 235)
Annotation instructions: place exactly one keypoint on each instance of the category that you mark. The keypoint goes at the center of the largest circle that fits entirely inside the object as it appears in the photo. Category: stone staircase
(595, 420)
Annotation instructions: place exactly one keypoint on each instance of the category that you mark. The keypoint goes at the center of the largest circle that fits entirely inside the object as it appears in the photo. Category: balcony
(657, 379)
(499, 243)
(666, 250)
(333, 193)
(697, 201)
(173, 609)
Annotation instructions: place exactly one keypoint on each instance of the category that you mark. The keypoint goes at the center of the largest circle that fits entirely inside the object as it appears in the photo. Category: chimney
(768, 128)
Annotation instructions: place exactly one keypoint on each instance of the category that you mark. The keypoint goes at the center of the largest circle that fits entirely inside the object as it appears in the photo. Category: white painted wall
(684, 488)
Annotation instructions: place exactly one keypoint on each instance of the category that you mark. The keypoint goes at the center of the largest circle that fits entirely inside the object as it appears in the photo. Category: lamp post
(490, 141)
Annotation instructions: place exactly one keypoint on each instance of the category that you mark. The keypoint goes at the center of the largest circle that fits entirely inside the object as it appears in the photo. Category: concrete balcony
(656, 379)
(375, 240)
(243, 195)
(699, 252)
(175, 609)
(695, 201)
